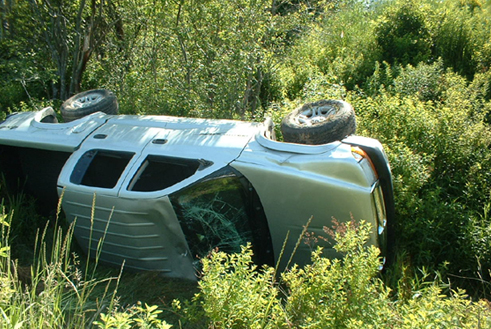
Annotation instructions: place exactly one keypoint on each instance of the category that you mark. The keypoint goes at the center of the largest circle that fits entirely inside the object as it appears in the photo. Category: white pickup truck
(161, 191)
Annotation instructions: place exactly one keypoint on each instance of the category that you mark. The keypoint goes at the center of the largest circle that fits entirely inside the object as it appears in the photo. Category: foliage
(435, 131)
(340, 49)
(212, 58)
(461, 39)
(339, 294)
(417, 72)
(328, 293)
(134, 317)
(348, 47)
(423, 81)
(234, 293)
(232, 286)
(403, 33)
(4, 248)
(22, 65)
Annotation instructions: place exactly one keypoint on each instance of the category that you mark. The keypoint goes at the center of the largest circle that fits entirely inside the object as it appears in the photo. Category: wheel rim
(315, 115)
(87, 100)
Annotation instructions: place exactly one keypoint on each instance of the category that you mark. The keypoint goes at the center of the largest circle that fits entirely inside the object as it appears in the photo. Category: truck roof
(28, 129)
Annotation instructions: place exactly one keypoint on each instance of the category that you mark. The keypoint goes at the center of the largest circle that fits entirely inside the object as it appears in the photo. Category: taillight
(361, 155)
(365, 163)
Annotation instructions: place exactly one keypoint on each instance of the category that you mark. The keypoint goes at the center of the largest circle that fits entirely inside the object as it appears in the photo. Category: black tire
(89, 102)
(320, 122)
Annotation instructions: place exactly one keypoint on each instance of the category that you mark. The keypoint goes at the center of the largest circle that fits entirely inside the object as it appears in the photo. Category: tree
(200, 58)
(72, 31)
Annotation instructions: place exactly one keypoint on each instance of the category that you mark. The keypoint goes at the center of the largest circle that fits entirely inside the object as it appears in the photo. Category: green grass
(58, 289)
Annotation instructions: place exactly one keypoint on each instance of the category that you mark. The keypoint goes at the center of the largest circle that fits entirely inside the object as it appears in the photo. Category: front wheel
(89, 102)
(320, 122)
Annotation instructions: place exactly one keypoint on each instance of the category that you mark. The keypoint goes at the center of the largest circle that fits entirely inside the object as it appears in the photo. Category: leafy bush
(414, 31)
(347, 46)
(403, 33)
(234, 295)
(340, 293)
(21, 80)
(423, 81)
(461, 37)
(434, 127)
(133, 317)
(339, 47)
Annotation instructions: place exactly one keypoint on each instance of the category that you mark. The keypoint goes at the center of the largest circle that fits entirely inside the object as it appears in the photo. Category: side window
(159, 172)
(219, 214)
(100, 168)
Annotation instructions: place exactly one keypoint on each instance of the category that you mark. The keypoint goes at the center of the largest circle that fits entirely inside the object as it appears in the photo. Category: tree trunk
(182, 45)
(76, 68)
(86, 39)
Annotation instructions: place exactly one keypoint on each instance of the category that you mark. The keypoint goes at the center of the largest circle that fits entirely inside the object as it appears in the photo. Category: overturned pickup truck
(163, 191)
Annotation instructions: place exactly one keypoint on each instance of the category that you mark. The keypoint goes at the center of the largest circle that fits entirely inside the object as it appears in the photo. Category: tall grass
(53, 292)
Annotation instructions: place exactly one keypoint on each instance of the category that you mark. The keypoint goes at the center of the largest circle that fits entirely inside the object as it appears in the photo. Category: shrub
(339, 47)
(423, 81)
(403, 33)
(381, 79)
(339, 293)
(461, 36)
(454, 40)
(136, 316)
(439, 154)
(235, 294)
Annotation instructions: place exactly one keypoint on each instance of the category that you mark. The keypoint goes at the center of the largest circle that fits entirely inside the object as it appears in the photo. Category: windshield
(219, 214)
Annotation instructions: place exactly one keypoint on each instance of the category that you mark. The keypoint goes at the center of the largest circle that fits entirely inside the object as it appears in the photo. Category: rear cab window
(100, 168)
(160, 172)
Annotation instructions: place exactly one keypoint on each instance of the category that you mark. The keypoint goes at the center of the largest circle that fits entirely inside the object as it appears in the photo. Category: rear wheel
(89, 102)
(320, 122)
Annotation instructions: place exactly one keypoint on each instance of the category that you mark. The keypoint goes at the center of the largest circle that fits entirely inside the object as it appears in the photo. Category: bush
(461, 37)
(403, 34)
(438, 144)
(340, 293)
(235, 294)
(423, 81)
(339, 47)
